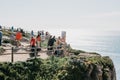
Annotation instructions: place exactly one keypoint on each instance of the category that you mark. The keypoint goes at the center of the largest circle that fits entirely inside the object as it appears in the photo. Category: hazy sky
(45, 14)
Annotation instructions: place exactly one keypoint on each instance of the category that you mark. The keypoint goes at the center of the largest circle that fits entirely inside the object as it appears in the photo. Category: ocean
(106, 43)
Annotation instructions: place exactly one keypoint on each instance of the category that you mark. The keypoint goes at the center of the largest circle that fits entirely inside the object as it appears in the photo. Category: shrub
(2, 50)
(53, 68)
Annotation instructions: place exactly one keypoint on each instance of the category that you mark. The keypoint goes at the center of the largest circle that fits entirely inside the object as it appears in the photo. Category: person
(18, 37)
(42, 32)
(49, 42)
(12, 29)
(52, 41)
(58, 42)
(1, 37)
(12, 34)
(39, 33)
(38, 40)
(0, 27)
(32, 44)
(42, 36)
(32, 33)
(58, 50)
(47, 35)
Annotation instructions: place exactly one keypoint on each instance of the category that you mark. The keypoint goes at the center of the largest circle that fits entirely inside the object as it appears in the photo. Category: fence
(14, 50)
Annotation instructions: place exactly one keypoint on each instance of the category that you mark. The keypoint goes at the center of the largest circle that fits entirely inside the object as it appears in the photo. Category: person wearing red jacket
(18, 37)
(32, 44)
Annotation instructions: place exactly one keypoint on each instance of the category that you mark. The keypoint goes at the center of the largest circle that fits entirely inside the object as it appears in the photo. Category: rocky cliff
(56, 68)
(90, 68)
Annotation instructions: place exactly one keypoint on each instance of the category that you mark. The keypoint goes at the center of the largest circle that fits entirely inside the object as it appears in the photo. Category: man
(32, 44)
(0, 37)
(18, 37)
(52, 41)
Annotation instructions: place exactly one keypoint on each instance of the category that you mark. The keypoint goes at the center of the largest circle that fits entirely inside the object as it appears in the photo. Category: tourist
(12, 29)
(12, 34)
(58, 50)
(58, 42)
(42, 36)
(38, 40)
(38, 32)
(32, 33)
(49, 42)
(32, 44)
(18, 37)
(0, 27)
(1, 37)
(47, 35)
(52, 41)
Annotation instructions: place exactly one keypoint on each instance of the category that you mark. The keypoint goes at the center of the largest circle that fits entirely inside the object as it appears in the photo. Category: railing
(14, 50)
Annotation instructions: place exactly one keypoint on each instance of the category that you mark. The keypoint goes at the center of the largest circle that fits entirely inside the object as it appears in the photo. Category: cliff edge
(56, 68)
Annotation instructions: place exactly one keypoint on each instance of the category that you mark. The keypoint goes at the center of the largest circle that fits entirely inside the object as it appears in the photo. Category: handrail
(29, 48)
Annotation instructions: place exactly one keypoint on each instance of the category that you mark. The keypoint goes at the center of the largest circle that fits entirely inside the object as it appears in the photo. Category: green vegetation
(54, 68)
(76, 52)
(1, 50)
(13, 42)
(6, 33)
(104, 61)
(44, 44)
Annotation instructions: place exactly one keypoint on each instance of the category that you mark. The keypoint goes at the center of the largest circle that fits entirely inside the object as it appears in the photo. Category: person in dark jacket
(49, 43)
(53, 40)
(1, 37)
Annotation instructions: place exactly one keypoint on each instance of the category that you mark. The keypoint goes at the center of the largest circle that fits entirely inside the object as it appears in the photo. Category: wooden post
(12, 57)
(35, 52)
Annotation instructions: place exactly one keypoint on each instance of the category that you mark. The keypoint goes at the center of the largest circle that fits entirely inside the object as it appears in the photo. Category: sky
(61, 14)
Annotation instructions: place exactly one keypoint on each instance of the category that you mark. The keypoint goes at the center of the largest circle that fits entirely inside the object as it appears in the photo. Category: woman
(38, 41)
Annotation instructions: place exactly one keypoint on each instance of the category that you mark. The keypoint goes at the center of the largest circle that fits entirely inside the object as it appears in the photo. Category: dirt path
(23, 55)
(20, 55)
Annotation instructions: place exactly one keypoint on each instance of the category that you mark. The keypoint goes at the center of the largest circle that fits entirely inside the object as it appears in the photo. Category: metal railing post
(12, 57)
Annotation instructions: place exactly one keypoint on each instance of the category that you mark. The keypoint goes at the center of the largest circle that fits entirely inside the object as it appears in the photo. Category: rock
(97, 72)
(90, 68)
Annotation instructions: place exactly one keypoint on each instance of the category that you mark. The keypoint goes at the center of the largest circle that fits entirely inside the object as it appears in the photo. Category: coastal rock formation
(55, 68)
(90, 68)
